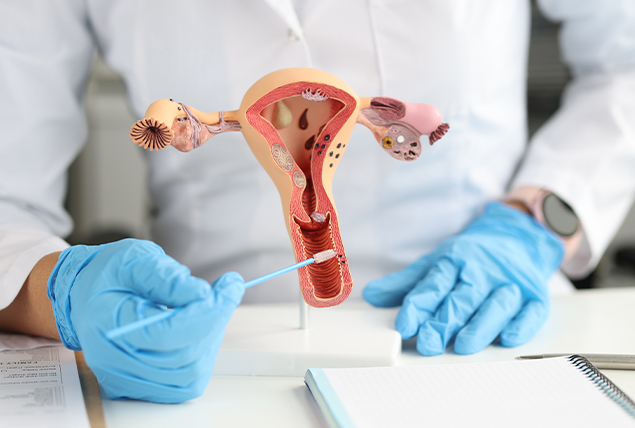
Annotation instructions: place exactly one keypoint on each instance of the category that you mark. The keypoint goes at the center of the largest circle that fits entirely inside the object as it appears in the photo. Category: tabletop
(587, 321)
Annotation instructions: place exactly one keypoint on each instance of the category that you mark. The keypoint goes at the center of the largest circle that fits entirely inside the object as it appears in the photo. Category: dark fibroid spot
(413, 144)
(303, 123)
(309, 143)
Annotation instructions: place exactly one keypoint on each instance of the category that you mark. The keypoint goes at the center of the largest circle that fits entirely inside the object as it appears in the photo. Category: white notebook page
(549, 392)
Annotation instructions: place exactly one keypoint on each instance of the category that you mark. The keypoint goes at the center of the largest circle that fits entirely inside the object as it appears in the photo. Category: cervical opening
(325, 277)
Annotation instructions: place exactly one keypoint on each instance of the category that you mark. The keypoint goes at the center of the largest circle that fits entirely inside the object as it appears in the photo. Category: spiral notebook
(558, 392)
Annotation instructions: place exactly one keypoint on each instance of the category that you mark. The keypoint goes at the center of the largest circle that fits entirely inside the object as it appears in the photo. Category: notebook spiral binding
(604, 383)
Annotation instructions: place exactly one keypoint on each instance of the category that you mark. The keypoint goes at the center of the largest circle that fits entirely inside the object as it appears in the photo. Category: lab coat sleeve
(45, 55)
(586, 152)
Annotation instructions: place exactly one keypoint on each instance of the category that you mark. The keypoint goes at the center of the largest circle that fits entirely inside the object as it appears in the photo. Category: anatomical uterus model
(297, 123)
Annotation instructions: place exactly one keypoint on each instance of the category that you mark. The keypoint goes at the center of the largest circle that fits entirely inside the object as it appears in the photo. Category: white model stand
(264, 339)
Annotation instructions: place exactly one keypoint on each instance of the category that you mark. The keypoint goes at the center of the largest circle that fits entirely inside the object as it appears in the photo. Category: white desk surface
(591, 321)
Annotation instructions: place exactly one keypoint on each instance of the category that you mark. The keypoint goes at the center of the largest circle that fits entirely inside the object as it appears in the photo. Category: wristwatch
(552, 212)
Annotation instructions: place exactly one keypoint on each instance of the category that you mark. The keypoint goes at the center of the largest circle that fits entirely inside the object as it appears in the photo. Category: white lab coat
(217, 210)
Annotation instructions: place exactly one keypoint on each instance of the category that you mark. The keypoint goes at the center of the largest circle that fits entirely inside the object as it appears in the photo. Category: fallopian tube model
(297, 123)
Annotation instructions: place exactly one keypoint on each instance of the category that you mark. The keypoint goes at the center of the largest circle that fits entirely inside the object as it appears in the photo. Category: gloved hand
(488, 281)
(95, 289)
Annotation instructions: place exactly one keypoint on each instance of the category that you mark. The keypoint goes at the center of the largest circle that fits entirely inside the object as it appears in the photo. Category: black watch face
(559, 216)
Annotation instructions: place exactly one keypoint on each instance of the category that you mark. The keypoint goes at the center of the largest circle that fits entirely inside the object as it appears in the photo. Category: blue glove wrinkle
(136, 383)
(177, 368)
(182, 358)
(163, 280)
(390, 291)
(194, 322)
(229, 288)
(549, 249)
(533, 285)
(429, 340)
(493, 315)
(526, 324)
(426, 297)
(380, 294)
(117, 309)
(409, 318)
(546, 256)
(451, 316)
(141, 305)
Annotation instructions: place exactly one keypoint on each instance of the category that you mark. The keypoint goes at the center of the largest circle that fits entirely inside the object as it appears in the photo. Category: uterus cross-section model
(298, 122)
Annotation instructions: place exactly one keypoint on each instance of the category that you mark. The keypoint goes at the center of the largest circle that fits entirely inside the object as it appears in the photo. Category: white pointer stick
(317, 258)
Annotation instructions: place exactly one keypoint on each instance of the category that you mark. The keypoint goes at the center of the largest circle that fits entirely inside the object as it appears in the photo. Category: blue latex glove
(488, 281)
(95, 289)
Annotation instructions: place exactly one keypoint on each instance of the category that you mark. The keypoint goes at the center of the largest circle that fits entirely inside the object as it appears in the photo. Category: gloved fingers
(168, 349)
(124, 376)
(139, 267)
(185, 325)
(155, 366)
(118, 388)
(526, 324)
(453, 313)
(501, 306)
(167, 359)
(390, 290)
(161, 279)
(229, 289)
(424, 299)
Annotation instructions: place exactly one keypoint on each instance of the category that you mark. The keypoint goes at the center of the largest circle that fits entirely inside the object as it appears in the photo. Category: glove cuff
(58, 289)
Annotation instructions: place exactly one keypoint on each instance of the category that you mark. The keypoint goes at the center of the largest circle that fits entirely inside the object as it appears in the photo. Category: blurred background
(107, 191)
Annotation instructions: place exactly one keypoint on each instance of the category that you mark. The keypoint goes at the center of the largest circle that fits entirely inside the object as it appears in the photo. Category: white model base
(266, 339)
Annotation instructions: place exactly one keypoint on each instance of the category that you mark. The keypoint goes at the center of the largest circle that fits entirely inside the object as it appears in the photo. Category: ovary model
(297, 123)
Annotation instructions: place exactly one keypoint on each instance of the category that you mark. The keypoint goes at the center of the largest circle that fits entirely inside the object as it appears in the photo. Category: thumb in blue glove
(488, 281)
(95, 289)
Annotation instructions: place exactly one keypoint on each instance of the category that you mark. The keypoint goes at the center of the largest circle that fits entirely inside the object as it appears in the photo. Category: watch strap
(533, 199)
